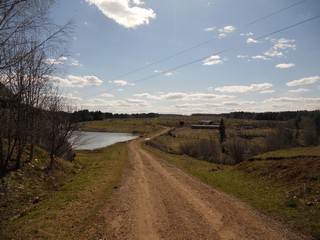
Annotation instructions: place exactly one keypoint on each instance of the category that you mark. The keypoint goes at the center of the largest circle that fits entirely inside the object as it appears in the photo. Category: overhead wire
(274, 13)
(222, 51)
(201, 44)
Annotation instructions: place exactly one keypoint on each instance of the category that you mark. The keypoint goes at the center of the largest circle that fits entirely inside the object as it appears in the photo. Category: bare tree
(309, 134)
(281, 138)
(28, 38)
(59, 128)
(27, 18)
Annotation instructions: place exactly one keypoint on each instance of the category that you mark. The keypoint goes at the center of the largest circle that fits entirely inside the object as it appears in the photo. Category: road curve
(159, 201)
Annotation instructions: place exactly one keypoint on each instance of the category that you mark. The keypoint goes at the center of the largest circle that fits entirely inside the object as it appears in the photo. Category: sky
(191, 56)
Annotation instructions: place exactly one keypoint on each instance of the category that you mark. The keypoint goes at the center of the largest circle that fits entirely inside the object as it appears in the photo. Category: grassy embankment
(74, 210)
(288, 190)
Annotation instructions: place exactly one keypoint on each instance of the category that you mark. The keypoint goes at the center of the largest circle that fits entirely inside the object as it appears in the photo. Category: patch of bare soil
(159, 201)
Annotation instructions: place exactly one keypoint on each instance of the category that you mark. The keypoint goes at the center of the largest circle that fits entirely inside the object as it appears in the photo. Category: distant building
(205, 124)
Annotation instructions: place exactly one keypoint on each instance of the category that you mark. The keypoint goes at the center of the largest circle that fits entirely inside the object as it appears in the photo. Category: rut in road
(159, 201)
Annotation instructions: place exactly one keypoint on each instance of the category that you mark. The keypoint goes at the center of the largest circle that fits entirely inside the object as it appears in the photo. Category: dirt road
(158, 201)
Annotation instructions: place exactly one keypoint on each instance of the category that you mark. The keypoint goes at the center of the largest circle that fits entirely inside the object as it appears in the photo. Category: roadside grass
(283, 199)
(21, 189)
(72, 211)
(290, 153)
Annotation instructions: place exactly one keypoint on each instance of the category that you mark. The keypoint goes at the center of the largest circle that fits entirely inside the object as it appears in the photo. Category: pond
(92, 140)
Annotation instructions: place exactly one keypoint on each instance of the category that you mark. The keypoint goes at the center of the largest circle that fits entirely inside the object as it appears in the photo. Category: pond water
(92, 140)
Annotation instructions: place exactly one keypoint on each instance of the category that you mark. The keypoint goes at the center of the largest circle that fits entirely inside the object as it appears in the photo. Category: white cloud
(226, 30)
(243, 56)
(285, 65)
(138, 2)
(244, 89)
(260, 57)
(273, 53)
(284, 43)
(118, 106)
(303, 81)
(127, 13)
(246, 34)
(71, 97)
(251, 40)
(58, 61)
(280, 47)
(75, 62)
(300, 103)
(148, 96)
(169, 74)
(267, 91)
(166, 74)
(300, 90)
(210, 29)
(174, 96)
(107, 95)
(213, 60)
(120, 83)
(77, 81)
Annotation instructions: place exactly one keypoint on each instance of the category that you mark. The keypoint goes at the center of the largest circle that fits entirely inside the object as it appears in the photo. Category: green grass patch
(127, 125)
(72, 212)
(291, 153)
(272, 196)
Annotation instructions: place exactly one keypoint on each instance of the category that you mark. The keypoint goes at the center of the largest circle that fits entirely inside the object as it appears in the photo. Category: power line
(201, 44)
(220, 52)
(227, 49)
(274, 13)
(163, 59)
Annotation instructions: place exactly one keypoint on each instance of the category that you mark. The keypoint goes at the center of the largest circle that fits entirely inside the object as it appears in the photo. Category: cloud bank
(260, 87)
(304, 81)
(285, 65)
(77, 81)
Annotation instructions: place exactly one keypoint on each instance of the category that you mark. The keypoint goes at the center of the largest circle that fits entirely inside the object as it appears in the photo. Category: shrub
(281, 139)
(309, 135)
(236, 148)
(203, 149)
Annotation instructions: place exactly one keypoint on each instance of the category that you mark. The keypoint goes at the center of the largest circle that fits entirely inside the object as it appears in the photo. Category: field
(136, 126)
(284, 184)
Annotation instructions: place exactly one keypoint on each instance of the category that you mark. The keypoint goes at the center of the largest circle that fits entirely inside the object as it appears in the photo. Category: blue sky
(225, 58)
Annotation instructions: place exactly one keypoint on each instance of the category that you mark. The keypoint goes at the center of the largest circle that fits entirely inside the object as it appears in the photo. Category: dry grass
(290, 153)
(128, 125)
(73, 212)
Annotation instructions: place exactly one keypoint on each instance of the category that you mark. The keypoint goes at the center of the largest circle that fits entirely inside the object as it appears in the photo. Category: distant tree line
(86, 115)
(275, 116)
(32, 109)
(272, 116)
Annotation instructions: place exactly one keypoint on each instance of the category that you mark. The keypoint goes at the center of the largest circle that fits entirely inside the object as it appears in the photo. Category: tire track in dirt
(158, 201)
